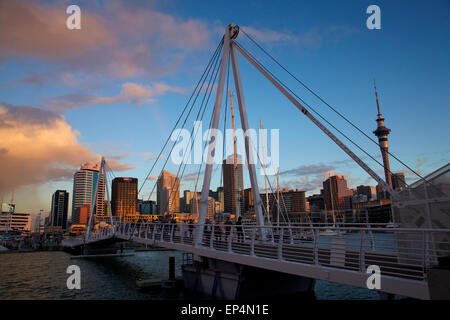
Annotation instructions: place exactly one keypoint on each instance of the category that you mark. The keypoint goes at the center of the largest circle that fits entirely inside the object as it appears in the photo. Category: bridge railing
(347, 246)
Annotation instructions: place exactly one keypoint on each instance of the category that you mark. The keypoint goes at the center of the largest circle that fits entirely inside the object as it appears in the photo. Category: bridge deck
(342, 259)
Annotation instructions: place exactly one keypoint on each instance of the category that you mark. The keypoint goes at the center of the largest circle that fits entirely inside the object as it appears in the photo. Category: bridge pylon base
(227, 280)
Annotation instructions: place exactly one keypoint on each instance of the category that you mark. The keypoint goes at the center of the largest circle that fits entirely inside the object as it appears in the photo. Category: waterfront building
(188, 195)
(233, 185)
(336, 194)
(211, 209)
(15, 221)
(124, 197)
(291, 201)
(59, 209)
(368, 191)
(398, 181)
(81, 214)
(316, 202)
(248, 200)
(84, 185)
(146, 207)
(168, 193)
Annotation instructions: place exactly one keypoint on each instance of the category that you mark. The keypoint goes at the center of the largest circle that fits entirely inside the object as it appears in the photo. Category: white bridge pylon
(101, 175)
(229, 49)
(231, 32)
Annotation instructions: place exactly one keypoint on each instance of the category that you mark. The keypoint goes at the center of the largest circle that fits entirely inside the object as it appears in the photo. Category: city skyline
(79, 119)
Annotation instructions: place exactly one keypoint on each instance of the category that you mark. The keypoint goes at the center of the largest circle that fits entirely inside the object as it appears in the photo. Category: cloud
(131, 93)
(267, 35)
(39, 146)
(312, 38)
(421, 161)
(312, 169)
(137, 94)
(148, 156)
(122, 41)
(192, 176)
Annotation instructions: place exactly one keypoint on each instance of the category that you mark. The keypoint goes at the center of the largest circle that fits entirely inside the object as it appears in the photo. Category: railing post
(211, 240)
(280, 243)
(230, 238)
(182, 232)
(316, 246)
(426, 254)
(139, 230)
(252, 243)
(172, 231)
(362, 256)
(291, 237)
(154, 233)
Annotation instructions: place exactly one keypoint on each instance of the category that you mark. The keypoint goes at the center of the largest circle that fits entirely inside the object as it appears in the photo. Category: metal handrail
(398, 256)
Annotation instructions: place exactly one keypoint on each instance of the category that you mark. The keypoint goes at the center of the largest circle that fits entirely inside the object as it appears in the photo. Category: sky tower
(382, 132)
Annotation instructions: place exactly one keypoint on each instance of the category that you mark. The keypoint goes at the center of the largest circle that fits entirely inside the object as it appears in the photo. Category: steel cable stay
(334, 109)
(201, 111)
(270, 185)
(201, 80)
(323, 118)
(198, 92)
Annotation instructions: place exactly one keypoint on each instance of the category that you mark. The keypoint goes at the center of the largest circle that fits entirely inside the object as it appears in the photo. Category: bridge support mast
(244, 122)
(231, 32)
(94, 200)
(203, 206)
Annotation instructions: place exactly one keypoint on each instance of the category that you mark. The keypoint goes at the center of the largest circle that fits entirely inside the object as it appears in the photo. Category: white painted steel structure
(301, 250)
(404, 255)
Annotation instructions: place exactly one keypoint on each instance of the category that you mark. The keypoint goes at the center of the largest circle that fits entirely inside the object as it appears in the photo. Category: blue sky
(326, 44)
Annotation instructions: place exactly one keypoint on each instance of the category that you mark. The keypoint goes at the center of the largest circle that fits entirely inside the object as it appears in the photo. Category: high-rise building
(248, 200)
(382, 133)
(168, 193)
(316, 203)
(15, 221)
(336, 194)
(211, 209)
(398, 181)
(124, 196)
(298, 200)
(81, 214)
(59, 209)
(233, 185)
(147, 207)
(188, 195)
(365, 190)
(291, 201)
(84, 184)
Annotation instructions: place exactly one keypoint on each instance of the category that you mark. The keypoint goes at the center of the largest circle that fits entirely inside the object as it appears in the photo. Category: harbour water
(42, 275)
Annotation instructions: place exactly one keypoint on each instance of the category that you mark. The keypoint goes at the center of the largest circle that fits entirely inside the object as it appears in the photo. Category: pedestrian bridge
(405, 256)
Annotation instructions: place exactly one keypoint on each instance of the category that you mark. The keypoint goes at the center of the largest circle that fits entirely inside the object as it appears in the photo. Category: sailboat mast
(265, 174)
(237, 192)
(278, 196)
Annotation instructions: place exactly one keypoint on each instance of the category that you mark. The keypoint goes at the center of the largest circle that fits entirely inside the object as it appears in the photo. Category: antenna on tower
(376, 96)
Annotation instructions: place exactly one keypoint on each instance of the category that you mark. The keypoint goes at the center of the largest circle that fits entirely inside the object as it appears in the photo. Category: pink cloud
(39, 146)
(120, 41)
